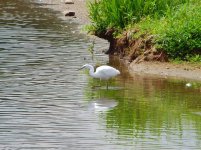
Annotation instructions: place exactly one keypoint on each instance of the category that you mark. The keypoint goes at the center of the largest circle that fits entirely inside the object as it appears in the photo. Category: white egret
(103, 72)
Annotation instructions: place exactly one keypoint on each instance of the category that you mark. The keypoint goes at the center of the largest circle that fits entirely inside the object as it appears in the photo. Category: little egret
(103, 72)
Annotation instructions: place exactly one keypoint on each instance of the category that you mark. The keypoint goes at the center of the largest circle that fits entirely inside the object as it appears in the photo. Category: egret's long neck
(91, 72)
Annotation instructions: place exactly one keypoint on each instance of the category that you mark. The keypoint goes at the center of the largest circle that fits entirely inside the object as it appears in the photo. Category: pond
(46, 103)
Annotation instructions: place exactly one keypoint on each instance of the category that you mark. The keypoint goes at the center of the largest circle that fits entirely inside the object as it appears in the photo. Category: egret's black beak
(81, 68)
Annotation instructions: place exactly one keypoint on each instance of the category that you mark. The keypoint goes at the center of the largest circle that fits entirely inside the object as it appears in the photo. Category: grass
(175, 24)
(120, 13)
(177, 33)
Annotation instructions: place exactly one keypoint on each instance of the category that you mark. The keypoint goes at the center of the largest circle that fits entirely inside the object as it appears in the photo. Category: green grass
(174, 24)
(177, 33)
(120, 13)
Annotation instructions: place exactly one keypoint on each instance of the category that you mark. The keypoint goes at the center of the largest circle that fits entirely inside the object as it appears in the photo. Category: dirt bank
(187, 71)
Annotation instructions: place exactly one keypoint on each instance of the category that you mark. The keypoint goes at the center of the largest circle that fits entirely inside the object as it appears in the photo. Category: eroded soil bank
(150, 60)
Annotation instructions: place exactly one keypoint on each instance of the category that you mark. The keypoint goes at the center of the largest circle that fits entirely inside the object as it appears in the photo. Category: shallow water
(45, 103)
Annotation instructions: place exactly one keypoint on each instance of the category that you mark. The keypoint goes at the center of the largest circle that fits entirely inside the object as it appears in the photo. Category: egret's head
(86, 66)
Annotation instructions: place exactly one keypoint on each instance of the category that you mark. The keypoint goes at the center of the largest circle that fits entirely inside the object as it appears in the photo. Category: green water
(151, 113)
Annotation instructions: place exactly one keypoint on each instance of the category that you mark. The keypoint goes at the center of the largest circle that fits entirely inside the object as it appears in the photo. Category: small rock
(167, 68)
(69, 13)
(69, 2)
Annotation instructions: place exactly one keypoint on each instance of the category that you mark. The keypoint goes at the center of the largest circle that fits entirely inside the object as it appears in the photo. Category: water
(45, 103)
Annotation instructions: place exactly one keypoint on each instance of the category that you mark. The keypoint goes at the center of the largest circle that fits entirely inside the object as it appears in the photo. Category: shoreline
(78, 6)
(163, 69)
(168, 70)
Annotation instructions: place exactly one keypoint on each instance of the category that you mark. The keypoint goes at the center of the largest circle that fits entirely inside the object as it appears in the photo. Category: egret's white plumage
(103, 72)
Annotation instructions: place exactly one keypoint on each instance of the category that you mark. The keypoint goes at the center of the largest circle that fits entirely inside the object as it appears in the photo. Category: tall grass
(181, 37)
(175, 24)
(120, 13)
(178, 33)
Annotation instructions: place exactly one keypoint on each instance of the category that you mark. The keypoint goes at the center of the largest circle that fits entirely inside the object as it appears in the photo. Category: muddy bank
(143, 64)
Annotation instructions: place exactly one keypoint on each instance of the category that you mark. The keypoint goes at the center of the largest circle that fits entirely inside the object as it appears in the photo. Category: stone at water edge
(69, 2)
(69, 13)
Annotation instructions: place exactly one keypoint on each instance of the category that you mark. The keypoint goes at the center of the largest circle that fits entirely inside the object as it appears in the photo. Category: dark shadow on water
(105, 88)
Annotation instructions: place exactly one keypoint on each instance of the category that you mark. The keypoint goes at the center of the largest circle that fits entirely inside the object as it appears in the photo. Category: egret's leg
(100, 83)
(107, 84)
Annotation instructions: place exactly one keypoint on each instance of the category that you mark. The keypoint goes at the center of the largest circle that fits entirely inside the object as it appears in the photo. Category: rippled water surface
(45, 103)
